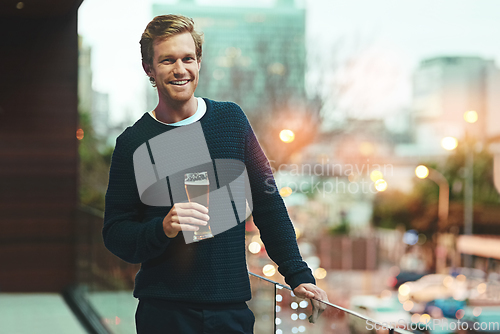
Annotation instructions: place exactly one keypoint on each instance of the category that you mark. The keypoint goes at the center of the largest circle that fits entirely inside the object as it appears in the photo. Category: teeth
(180, 82)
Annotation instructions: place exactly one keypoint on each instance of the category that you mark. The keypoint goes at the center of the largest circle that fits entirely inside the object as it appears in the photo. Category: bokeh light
(425, 318)
(477, 311)
(448, 281)
(386, 294)
(408, 305)
(269, 270)
(254, 247)
(404, 289)
(79, 134)
(422, 172)
(376, 175)
(403, 298)
(366, 148)
(320, 273)
(449, 143)
(470, 116)
(285, 191)
(287, 136)
(481, 288)
(381, 185)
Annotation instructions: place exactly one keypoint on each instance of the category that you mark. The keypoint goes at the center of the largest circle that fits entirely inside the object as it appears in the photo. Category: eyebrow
(190, 54)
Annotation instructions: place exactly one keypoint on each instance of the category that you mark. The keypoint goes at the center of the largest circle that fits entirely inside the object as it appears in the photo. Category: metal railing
(105, 283)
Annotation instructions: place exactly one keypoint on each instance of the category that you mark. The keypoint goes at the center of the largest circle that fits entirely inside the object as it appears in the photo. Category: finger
(192, 205)
(319, 305)
(185, 227)
(191, 221)
(193, 213)
(303, 292)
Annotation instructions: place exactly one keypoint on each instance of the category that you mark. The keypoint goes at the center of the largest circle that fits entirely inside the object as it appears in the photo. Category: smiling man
(199, 287)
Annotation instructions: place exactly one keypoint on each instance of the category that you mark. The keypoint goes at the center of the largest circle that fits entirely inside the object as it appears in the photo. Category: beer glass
(197, 190)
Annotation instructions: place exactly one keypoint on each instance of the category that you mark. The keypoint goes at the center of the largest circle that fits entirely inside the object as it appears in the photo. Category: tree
(95, 160)
(419, 208)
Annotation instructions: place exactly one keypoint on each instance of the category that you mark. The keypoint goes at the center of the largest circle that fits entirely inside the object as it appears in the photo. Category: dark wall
(38, 152)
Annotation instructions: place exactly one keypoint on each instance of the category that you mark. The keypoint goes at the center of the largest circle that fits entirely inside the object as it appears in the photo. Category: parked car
(387, 311)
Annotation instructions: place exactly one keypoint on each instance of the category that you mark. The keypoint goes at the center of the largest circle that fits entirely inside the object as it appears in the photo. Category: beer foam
(199, 179)
(198, 183)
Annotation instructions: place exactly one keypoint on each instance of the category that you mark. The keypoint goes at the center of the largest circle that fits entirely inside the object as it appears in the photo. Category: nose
(179, 69)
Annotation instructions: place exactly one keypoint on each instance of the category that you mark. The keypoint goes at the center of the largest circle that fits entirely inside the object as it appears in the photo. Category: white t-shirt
(202, 109)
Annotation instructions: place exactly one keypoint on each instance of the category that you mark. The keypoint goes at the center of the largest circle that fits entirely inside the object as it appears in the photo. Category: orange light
(287, 136)
(320, 273)
(79, 134)
(286, 191)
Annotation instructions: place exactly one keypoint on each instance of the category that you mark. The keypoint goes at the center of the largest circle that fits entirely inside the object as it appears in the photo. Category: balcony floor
(40, 313)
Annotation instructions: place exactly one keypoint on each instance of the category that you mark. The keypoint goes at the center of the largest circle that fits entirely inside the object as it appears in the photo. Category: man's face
(175, 68)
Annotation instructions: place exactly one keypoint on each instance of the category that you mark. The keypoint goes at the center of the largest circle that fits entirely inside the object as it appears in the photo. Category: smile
(180, 82)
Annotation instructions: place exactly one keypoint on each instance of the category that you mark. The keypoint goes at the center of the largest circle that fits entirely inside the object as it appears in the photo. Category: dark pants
(164, 317)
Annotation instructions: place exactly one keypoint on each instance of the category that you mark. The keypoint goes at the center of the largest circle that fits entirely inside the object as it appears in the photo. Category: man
(199, 287)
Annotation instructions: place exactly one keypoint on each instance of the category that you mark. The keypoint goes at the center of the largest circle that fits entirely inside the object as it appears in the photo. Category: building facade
(447, 87)
(251, 55)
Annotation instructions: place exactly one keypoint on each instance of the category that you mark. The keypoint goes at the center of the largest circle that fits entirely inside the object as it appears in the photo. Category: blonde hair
(164, 26)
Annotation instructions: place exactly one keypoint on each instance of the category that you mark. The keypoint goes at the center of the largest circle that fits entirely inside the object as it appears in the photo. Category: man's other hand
(185, 217)
(311, 291)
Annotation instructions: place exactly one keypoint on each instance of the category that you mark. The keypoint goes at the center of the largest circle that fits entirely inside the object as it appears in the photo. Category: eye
(167, 60)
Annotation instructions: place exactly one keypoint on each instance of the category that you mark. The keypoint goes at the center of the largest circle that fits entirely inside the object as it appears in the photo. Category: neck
(175, 112)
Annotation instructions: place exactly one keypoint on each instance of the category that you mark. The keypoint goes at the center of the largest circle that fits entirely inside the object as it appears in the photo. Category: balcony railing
(103, 294)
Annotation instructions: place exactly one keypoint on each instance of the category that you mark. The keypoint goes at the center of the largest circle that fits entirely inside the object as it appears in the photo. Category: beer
(198, 190)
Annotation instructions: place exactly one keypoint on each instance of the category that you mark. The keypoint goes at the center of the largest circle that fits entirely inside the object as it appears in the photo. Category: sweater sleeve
(126, 233)
(271, 217)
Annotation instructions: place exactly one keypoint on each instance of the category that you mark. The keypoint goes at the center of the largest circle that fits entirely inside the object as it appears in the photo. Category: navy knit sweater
(214, 270)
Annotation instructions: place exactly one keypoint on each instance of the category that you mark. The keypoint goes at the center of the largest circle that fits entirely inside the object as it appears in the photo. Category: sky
(387, 38)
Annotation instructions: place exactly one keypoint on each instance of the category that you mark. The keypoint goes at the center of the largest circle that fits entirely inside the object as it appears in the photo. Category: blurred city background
(381, 121)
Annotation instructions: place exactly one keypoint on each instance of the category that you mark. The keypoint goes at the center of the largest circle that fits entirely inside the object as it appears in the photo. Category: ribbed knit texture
(213, 270)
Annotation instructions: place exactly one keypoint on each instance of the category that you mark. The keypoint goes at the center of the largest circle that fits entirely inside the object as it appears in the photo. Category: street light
(423, 172)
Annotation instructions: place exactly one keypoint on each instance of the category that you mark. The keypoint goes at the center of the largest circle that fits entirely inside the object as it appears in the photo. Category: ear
(199, 64)
(147, 68)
